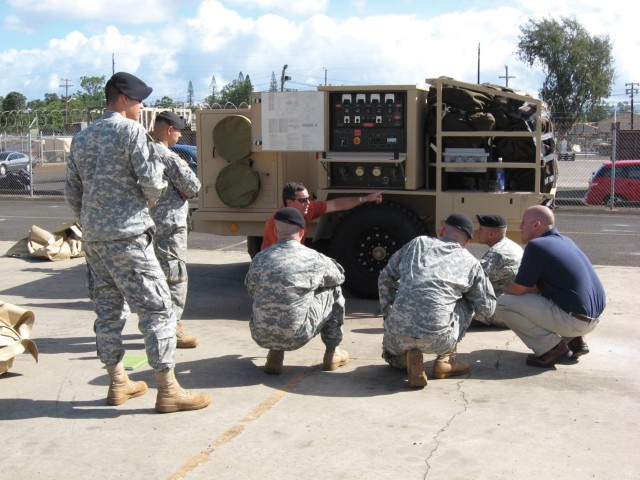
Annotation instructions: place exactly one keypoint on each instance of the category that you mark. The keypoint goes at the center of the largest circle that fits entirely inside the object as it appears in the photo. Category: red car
(627, 183)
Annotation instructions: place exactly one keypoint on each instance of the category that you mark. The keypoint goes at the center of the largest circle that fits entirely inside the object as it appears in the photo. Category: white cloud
(288, 7)
(125, 11)
(257, 37)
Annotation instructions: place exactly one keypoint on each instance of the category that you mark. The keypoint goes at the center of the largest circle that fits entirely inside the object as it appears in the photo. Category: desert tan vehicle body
(432, 150)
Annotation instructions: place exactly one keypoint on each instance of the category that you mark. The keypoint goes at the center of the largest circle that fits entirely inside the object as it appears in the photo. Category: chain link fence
(586, 177)
(48, 148)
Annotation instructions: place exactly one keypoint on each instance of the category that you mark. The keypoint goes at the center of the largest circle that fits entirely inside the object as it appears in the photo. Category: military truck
(433, 150)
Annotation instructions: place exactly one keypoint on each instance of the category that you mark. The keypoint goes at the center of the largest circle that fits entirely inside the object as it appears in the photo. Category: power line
(630, 92)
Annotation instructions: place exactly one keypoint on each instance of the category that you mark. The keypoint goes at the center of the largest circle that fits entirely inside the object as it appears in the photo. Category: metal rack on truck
(432, 150)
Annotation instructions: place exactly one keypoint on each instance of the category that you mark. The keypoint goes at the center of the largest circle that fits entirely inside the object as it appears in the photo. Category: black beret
(461, 222)
(130, 85)
(172, 119)
(492, 221)
(290, 215)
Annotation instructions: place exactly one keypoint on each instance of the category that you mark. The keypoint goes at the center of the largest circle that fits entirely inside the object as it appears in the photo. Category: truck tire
(365, 239)
(253, 245)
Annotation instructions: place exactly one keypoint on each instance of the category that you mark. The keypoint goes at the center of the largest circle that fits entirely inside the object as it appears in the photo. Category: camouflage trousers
(171, 250)
(491, 321)
(325, 316)
(394, 346)
(123, 273)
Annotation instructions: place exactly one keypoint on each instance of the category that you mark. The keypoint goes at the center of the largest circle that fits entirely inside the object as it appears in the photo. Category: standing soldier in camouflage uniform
(113, 178)
(170, 216)
(502, 260)
(428, 293)
(296, 295)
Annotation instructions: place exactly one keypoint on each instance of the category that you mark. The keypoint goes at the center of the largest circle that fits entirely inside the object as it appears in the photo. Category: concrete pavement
(503, 420)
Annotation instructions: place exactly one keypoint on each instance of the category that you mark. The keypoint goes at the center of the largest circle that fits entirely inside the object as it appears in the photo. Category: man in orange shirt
(295, 194)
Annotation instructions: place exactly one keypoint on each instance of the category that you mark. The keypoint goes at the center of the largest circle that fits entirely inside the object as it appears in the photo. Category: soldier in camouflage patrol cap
(429, 291)
(113, 177)
(502, 260)
(170, 216)
(296, 295)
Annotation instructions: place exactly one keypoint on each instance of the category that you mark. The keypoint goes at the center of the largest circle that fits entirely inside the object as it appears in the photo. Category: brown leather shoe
(578, 346)
(549, 359)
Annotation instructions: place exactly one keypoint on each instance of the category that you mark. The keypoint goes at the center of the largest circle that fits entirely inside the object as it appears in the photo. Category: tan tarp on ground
(15, 329)
(64, 243)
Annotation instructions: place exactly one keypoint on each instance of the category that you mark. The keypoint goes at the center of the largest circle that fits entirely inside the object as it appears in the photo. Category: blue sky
(47, 43)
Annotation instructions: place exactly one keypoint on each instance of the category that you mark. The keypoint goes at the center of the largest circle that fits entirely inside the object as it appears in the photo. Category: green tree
(51, 98)
(623, 107)
(36, 104)
(93, 95)
(14, 101)
(164, 102)
(273, 86)
(190, 94)
(212, 99)
(599, 112)
(237, 92)
(579, 68)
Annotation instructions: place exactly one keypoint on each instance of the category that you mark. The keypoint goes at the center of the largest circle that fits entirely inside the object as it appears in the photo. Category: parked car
(627, 183)
(188, 153)
(13, 161)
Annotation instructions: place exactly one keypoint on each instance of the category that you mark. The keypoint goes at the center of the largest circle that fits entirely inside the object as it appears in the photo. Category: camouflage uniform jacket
(172, 209)
(112, 171)
(422, 283)
(282, 281)
(501, 263)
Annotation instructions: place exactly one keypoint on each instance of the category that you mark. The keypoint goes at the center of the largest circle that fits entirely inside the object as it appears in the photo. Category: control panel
(368, 121)
(367, 175)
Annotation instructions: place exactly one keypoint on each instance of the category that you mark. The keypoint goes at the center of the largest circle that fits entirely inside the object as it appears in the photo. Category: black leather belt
(582, 317)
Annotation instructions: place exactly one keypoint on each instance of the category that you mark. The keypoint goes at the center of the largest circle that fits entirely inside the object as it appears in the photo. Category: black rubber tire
(253, 245)
(365, 239)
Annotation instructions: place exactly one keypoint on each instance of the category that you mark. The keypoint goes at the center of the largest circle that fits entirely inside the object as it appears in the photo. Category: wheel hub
(375, 249)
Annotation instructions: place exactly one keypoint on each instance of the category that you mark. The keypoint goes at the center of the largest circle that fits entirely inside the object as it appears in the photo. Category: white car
(12, 161)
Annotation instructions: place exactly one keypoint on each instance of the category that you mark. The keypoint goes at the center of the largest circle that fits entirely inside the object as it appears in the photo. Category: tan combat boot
(334, 358)
(447, 366)
(415, 369)
(121, 388)
(173, 398)
(274, 362)
(184, 340)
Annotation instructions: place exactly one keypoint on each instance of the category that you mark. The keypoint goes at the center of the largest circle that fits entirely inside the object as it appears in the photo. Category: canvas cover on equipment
(15, 329)
(232, 138)
(238, 184)
(64, 243)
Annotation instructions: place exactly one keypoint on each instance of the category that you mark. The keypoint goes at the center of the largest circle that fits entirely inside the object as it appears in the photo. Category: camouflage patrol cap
(172, 119)
(290, 215)
(492, 221)
(461, 222)
(130, 85)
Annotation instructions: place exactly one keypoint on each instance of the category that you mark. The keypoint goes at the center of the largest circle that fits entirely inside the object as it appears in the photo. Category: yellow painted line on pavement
(231, 433)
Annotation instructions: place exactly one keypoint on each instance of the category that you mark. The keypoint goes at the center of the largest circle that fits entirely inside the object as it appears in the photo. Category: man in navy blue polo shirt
(556, 297)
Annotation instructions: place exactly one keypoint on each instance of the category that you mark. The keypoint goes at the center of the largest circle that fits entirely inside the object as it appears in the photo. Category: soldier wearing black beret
(501, 261)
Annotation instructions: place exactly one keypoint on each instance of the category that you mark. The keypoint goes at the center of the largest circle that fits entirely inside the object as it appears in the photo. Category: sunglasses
(302, 200)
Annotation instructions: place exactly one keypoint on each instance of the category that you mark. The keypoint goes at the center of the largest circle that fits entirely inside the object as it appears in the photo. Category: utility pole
(325, 77)
(478, 63)
(66, 86)
(631, 91)
(113, 63)
(506, 76)
(284, 78)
